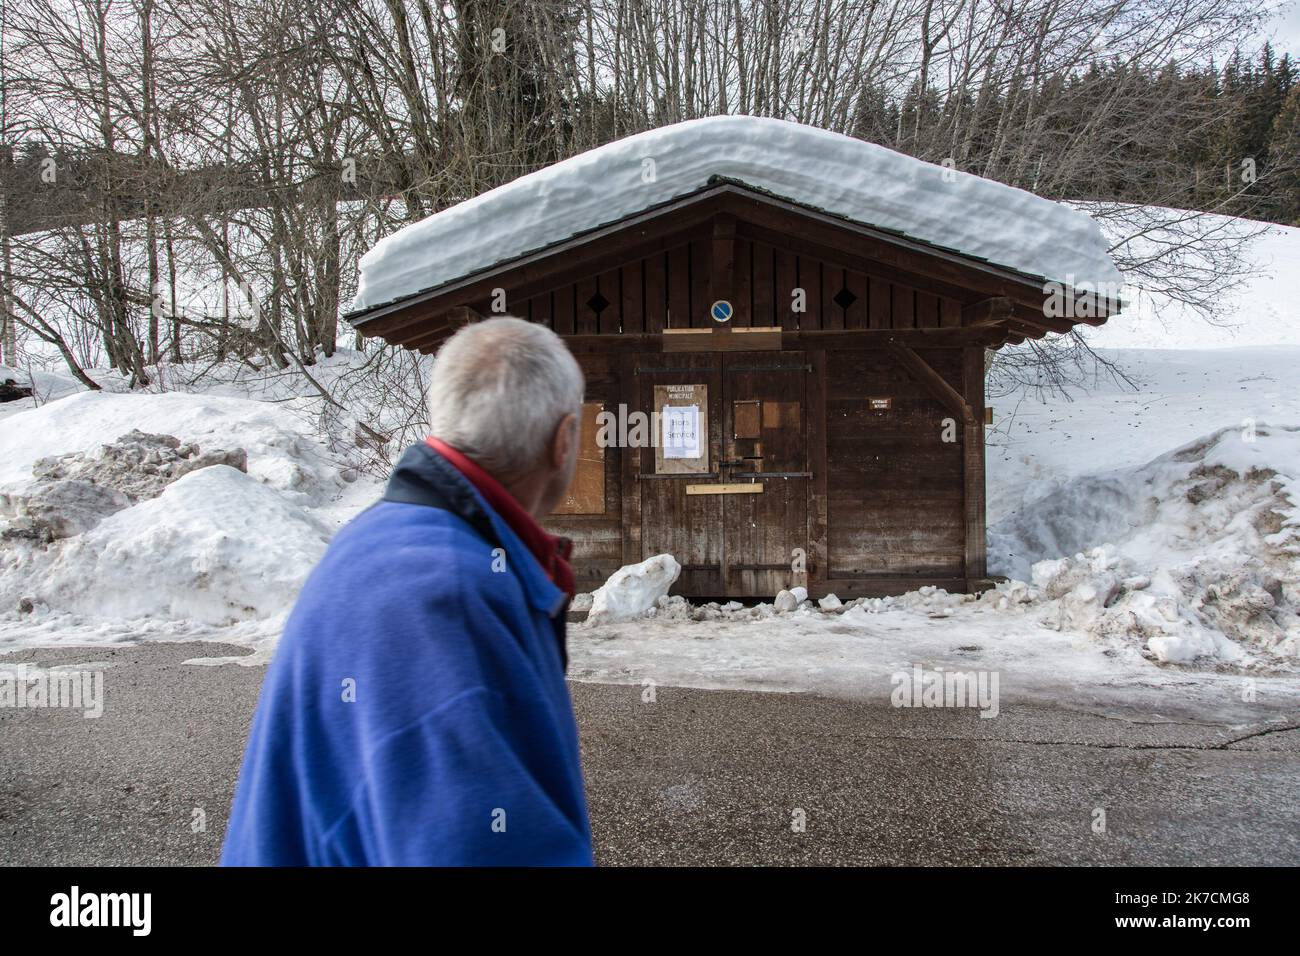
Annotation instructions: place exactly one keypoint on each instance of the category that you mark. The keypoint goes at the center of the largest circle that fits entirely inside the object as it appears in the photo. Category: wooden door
(736, 518)
(765, 414)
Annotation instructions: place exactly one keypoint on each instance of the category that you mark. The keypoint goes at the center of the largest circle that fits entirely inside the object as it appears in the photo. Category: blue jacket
(416, 712)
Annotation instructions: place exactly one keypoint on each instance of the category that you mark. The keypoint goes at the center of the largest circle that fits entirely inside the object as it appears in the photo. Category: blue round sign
(721, 311)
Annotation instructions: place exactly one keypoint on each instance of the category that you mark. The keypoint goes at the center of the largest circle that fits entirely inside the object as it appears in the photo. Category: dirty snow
(1201, 553)
(634, 590)
(857, 653)
(279, 453)
(861, 181)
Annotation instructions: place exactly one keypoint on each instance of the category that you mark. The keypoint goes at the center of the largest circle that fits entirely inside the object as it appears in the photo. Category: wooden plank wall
(598, 538)
(671, 290)
(895, 499)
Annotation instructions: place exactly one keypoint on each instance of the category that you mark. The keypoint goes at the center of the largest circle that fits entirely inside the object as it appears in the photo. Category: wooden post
(722, 269)
(723, 266)
(629, 465)
(818, 553)
(973, 469)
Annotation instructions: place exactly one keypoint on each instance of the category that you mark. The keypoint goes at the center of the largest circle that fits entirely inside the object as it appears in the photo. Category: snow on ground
(861, 653)
(216, 546)
(860, 181)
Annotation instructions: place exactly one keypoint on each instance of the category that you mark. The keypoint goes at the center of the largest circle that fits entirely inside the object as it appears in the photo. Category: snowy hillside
(1262, 312)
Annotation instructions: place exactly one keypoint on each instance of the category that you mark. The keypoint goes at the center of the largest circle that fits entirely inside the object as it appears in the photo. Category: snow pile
(138, 465)
(1195, 555)
(279, 452)
(929, 600)
(860, 181)
(634, 590)
(154, 528)
(1183, 616)
(215, 547)
(70, 494)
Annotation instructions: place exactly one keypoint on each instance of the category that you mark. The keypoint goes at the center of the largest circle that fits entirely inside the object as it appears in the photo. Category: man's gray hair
(498, 390)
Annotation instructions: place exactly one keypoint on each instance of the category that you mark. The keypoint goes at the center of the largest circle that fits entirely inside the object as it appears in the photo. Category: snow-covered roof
(859, 181)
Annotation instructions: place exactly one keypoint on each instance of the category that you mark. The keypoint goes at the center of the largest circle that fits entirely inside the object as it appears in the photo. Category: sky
(1285, 29)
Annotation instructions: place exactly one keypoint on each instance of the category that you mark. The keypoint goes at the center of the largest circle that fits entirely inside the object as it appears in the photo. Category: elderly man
(416, 711)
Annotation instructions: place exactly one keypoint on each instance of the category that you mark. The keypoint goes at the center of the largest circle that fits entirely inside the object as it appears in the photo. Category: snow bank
(121, 516)
(215, 547)
(279, 453)
(861, 181)
(1196, 553)
(635, 589)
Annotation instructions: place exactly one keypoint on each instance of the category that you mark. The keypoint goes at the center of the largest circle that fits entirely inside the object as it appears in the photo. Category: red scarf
(551, 552)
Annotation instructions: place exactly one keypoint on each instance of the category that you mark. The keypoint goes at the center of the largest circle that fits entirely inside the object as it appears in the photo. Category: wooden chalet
(840, 447)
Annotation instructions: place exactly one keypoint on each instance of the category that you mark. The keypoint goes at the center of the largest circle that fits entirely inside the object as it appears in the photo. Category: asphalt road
(695, 777)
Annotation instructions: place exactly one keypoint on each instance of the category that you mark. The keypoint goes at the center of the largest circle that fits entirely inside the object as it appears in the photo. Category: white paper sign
(681, 431)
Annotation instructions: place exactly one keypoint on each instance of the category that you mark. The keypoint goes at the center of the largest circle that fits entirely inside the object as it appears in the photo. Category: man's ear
(565, 438)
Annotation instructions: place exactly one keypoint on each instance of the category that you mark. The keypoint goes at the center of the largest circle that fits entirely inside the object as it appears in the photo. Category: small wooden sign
(744, 488)
(880, 404)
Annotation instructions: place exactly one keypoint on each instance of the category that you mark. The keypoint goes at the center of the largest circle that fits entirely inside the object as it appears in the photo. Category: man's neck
(528, 491)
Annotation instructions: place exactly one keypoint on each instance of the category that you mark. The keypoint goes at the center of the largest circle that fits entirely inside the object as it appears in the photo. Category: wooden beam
(1024, 330)
(1036, 319)
(808, 339)
(1002, 311)
(454, 319)
(818, 507)
(938, 386)
(721, 340)
(629, 461)
(990, 311)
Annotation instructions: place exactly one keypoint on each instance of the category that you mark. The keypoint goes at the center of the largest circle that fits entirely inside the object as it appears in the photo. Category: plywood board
(738, 488)
(586, 495)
